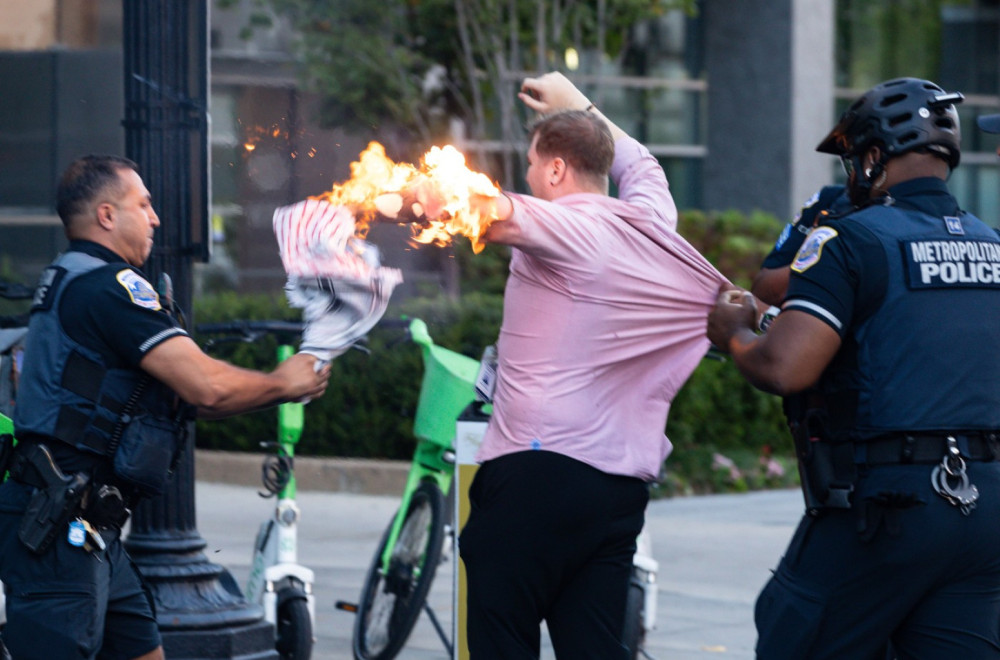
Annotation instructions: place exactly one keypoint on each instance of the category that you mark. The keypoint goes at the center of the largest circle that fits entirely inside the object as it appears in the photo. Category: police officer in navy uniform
(893, 314)
(107, 376)
(771, 281)
(989, 124)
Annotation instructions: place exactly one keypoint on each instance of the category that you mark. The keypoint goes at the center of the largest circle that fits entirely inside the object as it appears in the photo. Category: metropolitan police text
(957, 262)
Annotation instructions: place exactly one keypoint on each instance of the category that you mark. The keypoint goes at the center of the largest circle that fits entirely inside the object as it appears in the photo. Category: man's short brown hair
(580, 138)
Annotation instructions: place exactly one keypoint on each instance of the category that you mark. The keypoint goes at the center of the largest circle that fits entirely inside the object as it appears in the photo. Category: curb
(344, 475)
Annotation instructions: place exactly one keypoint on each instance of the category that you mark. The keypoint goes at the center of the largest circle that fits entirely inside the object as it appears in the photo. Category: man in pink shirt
(605, 315)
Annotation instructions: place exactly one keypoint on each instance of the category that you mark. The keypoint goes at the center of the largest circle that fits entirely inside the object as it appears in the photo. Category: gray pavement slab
(715, 553)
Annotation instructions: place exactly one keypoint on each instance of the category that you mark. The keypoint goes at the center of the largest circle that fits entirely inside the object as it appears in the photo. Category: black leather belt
(925, 448)
(105, 508)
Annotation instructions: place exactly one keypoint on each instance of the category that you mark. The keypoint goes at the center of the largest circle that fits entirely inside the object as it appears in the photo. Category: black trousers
(928, 581)
(549, 538)
(69, 603)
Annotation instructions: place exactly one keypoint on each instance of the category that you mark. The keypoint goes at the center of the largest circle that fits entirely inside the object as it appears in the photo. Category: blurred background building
(732, 97)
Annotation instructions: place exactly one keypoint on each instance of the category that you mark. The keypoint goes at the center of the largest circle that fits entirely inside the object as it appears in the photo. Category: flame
(443, 185)
(255, 135)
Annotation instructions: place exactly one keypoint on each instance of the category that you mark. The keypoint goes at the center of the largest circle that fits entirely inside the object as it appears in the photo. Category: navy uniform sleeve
(795, 232)
(116, 312)
(839, 275)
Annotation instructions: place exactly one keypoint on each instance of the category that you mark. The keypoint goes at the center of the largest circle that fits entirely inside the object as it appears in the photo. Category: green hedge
(369, 406)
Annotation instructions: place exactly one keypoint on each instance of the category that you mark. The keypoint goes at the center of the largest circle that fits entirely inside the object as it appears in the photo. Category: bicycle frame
(430, 461)
(432, 458)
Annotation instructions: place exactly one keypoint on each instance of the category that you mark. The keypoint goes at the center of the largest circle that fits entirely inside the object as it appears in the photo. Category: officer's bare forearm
(218, 389)
(757, 364)
(790, 357)
(236, 392)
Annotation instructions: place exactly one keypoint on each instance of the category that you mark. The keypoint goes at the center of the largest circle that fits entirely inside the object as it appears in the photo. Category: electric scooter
(282, 586)
(277, 581)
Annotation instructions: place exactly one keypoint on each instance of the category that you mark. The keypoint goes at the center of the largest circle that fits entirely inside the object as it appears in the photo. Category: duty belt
(103, 506)
(927, 448)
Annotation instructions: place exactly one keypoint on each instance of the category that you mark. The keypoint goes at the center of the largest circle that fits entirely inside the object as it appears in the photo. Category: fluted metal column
(200, 609)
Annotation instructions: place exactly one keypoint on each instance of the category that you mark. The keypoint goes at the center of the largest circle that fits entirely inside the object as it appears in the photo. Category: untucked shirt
(605, 314)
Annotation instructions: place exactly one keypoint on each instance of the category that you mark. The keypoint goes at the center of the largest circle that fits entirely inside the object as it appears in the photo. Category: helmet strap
(859, 183)
(867, 179)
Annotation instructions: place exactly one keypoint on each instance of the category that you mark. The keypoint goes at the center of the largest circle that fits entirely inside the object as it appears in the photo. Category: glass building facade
(732, 99)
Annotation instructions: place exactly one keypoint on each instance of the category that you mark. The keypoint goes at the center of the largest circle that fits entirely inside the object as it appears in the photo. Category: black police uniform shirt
(828, 200)
(913, 289)
(115, 312)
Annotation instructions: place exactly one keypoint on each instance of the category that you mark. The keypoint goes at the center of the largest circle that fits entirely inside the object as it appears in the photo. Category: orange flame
(254, 135)
(443, 186)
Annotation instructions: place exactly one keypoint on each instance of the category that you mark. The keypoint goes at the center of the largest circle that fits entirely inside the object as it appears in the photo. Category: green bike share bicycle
(403, 567)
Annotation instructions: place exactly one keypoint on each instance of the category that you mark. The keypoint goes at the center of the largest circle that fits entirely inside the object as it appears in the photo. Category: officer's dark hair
(580, 138)
(84, 180)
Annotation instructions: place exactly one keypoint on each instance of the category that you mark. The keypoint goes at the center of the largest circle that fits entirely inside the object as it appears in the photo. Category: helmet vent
(892, 100)
(896, 120)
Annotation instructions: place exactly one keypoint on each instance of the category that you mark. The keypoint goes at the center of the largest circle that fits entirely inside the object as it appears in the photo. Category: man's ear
(105, 215)
(557, 171)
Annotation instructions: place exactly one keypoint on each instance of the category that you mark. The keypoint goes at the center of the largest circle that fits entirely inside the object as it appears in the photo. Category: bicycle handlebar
(403, 323)
(251, 330)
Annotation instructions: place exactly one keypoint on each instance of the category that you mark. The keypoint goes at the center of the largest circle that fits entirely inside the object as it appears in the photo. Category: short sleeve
(116, 312)
(839, 275)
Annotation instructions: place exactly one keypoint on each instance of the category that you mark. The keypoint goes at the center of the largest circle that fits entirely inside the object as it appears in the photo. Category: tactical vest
(66, 391)
(943, 291)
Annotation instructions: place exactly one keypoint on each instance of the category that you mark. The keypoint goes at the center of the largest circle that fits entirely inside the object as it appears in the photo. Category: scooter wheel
(294, 630)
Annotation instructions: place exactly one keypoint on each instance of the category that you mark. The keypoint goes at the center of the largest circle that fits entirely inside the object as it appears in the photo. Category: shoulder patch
(139, 290)
(785, 233)
(811, 250)
(812, 200)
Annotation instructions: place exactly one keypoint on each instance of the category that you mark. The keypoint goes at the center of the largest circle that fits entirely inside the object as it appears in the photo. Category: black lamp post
(200, 609)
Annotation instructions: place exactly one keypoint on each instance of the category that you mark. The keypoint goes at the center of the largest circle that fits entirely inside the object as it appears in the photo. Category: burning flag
(335, 277)
(439, 196)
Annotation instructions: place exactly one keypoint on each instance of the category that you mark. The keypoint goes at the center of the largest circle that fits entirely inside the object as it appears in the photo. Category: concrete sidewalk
(715, 554)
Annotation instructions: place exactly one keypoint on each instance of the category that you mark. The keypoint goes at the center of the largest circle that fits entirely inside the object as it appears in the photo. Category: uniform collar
(927, 185)
(928, 193)
(95, 250)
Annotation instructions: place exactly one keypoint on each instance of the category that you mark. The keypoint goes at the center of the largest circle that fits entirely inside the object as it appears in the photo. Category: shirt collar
(927, 185)
(95, 250)
(928, 193)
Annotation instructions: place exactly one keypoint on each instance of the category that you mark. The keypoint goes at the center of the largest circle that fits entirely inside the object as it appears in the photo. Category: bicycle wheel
(634, 635)
(294, 630)
(391, 601)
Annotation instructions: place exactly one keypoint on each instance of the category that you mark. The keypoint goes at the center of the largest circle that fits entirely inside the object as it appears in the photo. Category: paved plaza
(715, 553)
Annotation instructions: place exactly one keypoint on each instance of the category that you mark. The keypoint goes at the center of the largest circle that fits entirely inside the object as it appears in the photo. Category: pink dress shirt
(605, 312)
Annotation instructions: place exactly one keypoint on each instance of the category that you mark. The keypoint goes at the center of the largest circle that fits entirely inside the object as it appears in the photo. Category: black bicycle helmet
(899, 116)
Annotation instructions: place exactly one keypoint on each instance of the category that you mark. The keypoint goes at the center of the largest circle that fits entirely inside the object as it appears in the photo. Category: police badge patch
(809, 254)
(139, 290)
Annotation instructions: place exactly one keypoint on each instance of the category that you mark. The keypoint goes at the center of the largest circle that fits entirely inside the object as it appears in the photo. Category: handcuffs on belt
(951, 481)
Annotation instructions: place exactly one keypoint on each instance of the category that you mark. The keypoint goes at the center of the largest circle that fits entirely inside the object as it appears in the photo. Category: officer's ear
(872, 163)
(106, 215)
